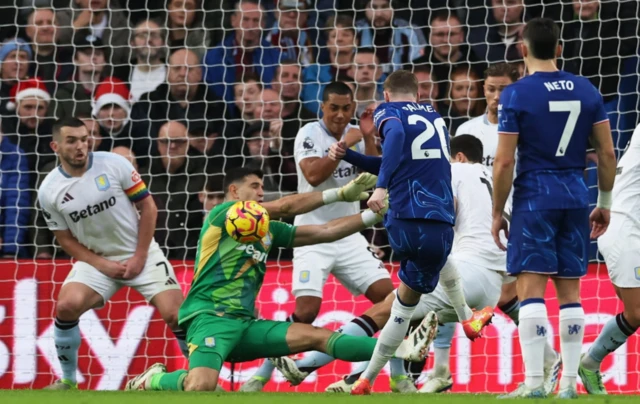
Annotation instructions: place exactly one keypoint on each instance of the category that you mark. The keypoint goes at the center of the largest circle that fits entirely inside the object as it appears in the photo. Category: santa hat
(111, 91)
(33, 87)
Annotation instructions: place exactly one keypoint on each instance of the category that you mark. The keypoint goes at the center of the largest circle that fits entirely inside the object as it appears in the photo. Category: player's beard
(75, 163)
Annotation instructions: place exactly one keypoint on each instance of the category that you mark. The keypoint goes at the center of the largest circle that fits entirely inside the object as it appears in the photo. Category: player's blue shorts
(550, 242)
(423, 247)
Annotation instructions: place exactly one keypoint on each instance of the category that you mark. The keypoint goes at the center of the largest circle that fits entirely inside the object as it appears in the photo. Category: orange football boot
(480, 319)
(362, 387)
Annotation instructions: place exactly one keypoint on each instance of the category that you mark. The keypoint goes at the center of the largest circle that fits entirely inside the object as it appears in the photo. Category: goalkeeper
(218, 312)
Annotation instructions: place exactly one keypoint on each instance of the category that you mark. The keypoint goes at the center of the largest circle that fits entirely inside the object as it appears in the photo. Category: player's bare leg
(613, 335)
(73, 301)
(533, 327)
(168, 303)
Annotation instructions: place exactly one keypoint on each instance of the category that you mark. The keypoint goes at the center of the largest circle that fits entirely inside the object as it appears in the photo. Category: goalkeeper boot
(524, 392)
(289, 370)
(437, 381)
(361, 388)
(62, 384)
(552, 375)
(416, 347)
(592, 380)
(480, 319)
(341, 386)
(402, 384)
(143, 380)
(254, 384)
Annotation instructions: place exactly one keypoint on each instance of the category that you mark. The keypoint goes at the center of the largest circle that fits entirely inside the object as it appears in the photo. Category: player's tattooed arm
(73, 248)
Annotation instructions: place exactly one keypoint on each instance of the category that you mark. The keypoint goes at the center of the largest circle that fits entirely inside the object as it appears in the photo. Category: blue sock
(396, 365)
(615, 333)
(67, 339)
(444, 335)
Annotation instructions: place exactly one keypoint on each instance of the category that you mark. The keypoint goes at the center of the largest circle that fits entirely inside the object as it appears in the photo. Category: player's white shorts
(620, 247)
(482, 288)
(157, 276)
(349, 260)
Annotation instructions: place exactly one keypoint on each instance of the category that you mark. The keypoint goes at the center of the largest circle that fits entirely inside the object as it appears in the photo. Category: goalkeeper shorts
(213, 340)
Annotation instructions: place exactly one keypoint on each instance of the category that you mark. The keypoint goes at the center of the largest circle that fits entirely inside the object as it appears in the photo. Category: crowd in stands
(188, 89)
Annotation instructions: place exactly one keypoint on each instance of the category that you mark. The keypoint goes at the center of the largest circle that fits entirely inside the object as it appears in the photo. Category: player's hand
(499, 223)
(338, 150)
(367, 126)
(352, 137)
(377, 201)
(599, 219)
(112, 269)
(134, 266)
(355, 189)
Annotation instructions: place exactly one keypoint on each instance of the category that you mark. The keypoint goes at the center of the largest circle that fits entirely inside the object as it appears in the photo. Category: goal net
(189, 89)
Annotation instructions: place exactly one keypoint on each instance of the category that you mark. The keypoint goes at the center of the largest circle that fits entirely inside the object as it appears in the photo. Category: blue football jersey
(553, 114)
(415, 165)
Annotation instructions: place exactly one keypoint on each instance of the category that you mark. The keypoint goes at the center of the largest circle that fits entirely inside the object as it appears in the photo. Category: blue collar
(66, 175)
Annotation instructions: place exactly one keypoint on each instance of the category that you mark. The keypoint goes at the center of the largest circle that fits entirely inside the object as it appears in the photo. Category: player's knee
(69, 308)
(307, 309)
(197, 382)
(632, 315)
(171, 319)
(379, 290)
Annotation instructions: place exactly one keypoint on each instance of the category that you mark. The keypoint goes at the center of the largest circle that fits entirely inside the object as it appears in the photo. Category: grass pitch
(156, 397)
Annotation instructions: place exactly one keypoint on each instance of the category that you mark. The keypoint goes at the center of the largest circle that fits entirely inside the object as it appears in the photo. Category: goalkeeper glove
(352, 192)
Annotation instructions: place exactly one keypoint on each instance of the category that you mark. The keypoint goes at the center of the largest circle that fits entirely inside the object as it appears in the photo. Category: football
(247, 222)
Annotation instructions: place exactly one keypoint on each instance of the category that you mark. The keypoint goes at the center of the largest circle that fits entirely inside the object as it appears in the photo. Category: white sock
(452, 286)
(571, 335)
(533, 329)
(390, 338)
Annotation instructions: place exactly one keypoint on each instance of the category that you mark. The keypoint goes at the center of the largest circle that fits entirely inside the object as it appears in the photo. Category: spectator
(112, 111)
(427, 90)
(183, 98)
(496, 42)
(174, 181)
(214, 151)
(241, 52)
(29, 128)
(395, 41)
(291, 34)
(368, 79)
(103, 20)
(15, 55)
(447, 50)
(126, 153)
(76, 83)
(212, 194)
(95, 137)
(259, 141)
(42, 30)
(465, 98)
(15, 199)
(149, 69)
(246, 95)
(341, 43)
(186, 26)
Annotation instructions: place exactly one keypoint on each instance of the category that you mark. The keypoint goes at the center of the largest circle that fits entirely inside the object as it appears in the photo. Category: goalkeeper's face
(250, 189)
(72, 145)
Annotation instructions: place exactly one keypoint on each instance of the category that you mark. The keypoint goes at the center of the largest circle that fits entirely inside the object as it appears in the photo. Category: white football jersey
(314, 140)
(98, 207)
(487, 132)
(626, 189)
(473, 242)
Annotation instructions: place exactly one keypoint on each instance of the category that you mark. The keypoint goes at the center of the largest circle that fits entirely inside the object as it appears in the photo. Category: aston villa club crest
(102, 182)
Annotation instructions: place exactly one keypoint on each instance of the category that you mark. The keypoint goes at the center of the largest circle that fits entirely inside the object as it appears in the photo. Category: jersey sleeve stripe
(386, 119)
(602, 121)
(137, 192)
(508, 133)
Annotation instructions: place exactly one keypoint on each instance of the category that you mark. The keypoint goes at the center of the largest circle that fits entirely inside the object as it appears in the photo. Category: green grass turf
(137, 397)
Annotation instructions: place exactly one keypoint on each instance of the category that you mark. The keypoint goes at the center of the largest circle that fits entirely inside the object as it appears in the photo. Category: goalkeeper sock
(615, 333)
(452, 286)
(571, 336)
(390, 337)
(349, 348)
(169, 381)
(266, 369)
(533, 327)
(512, 309)
(359, 326)
(181, 337)
(66, 335)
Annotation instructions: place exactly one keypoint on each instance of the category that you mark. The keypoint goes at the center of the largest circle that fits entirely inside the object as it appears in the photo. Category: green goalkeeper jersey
(228, 275)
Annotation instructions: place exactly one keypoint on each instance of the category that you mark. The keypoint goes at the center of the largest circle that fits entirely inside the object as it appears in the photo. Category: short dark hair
(68, 122)
(468, 145)
(401, 82)
(214, 184)
(541, 36)
(338, 88)
(503, 70)
(239, 174)
(443, 15)
(342, 21)
(363, 51)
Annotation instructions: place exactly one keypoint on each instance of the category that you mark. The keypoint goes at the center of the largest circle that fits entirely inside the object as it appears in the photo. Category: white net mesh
(237, 82)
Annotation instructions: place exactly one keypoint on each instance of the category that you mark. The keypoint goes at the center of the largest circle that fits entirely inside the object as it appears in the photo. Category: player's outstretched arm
(302, 203)
(335, 229)
(73, 248)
